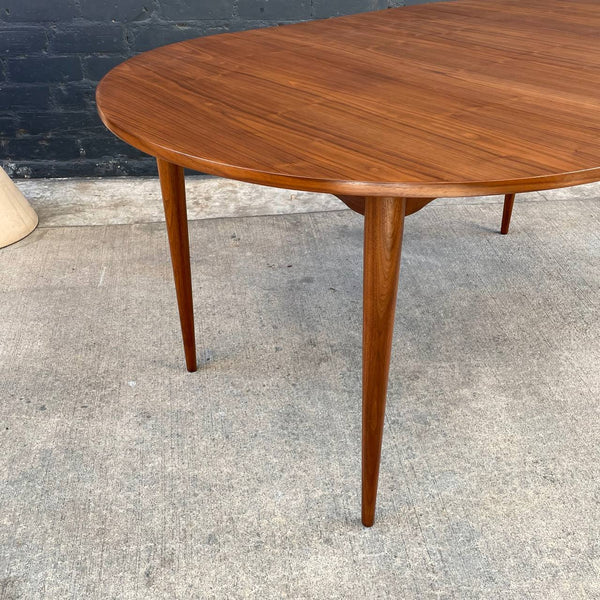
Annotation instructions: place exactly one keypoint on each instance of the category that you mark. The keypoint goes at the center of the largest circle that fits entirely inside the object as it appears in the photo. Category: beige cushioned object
(17, 218)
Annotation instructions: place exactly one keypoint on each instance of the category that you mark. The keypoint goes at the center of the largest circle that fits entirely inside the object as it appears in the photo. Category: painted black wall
(53, 53)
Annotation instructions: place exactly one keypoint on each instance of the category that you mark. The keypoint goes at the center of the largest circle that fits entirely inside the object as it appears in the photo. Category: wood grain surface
(509, 201)
(452, 98)
(357, 204)
(173, 192)
(384, 226)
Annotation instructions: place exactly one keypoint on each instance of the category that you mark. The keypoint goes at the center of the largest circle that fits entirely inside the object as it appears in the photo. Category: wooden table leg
(509, 200)
(173, 192)
(384, 224)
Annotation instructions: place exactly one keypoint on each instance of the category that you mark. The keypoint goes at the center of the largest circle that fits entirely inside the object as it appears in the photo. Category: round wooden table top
(444, 99)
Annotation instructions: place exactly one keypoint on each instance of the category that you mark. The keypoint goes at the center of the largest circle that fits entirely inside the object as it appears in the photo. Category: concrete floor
(123, 476)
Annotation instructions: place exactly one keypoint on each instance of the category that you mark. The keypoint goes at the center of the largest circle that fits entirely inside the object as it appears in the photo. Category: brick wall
(53, 53)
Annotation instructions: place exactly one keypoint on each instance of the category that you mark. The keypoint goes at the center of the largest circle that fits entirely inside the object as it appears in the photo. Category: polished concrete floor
(122, 476)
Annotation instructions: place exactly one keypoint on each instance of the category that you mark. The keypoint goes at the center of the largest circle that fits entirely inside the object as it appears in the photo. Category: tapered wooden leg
(509, 200)
(384, 224)
(173, 192)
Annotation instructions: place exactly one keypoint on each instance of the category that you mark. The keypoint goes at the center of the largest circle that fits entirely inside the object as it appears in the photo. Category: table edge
(433, 189)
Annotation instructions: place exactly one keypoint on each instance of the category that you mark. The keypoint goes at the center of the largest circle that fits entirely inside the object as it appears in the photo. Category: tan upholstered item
(17, 218)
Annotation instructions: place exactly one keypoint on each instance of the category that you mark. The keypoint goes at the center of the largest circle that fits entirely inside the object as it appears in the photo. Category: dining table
(387, 110)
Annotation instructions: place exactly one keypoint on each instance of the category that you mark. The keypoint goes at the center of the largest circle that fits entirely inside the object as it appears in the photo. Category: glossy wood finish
(173, 192)
(414, 205)
(443, 99)
(387, 110)
(357, 204)
(384, 225)
(509, 201)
